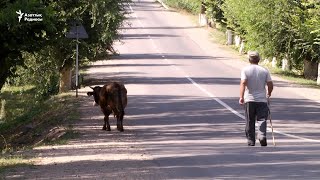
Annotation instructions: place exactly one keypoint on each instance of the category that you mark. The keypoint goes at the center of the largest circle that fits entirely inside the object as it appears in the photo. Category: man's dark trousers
(256, 111)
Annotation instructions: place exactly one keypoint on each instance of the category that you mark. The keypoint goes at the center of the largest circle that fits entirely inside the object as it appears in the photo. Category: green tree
(192, 6)
(255, 21)
(101, 19)
(214, 10)
(282, 28)
(17, 37)
(45, 42)
(306, 47)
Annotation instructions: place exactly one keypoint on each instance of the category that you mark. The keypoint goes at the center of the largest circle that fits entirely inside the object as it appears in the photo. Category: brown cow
(112, 98)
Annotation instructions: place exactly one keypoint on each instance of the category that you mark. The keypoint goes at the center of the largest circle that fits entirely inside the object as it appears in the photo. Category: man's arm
(270, 88)
(243, 84)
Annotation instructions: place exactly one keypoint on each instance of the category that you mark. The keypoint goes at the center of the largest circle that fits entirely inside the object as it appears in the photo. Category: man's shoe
(251, 143)
(263, 142)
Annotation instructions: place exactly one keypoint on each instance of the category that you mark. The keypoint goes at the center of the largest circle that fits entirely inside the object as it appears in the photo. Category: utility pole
(77, 62)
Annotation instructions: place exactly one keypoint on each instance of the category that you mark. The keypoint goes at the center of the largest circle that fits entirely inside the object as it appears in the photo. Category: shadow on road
(180, 137)
(192, 135)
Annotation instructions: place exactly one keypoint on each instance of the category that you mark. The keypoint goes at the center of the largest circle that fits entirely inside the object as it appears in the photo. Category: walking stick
(274, 142)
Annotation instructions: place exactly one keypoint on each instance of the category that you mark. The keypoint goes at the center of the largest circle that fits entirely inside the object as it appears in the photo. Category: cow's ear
(89, 93)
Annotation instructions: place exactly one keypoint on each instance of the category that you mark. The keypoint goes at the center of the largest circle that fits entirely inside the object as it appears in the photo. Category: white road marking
(210, 94)
(214, 97)
(163, 4)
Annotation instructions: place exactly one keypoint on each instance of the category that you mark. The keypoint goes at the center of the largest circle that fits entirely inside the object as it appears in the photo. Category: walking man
(254, 96)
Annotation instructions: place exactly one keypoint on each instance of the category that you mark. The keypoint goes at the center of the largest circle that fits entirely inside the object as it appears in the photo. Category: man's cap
(253, 56)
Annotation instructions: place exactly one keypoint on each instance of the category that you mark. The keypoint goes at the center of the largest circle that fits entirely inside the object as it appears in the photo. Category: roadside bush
(214, 11)
(101, 19)
(39, 70)
(255, 22)
(282, 28)
(192, 6)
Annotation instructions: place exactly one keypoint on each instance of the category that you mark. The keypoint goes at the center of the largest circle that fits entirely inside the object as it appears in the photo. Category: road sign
(77, 32)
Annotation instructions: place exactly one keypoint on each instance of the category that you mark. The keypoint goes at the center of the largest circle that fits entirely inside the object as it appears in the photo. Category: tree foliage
(283, 28)
(192, 6)
(43, 46)
(18, 37)
(307, 32)
(214, 10)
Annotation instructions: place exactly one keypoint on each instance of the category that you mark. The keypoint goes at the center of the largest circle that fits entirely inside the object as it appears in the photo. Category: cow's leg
(120, 121)
(106, 125)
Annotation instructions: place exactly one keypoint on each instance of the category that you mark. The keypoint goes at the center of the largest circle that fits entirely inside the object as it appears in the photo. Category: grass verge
(13, 161)
(294, 78)
(27, 121)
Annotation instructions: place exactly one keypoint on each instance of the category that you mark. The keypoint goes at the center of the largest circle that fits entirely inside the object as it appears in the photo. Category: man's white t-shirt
(257, 78)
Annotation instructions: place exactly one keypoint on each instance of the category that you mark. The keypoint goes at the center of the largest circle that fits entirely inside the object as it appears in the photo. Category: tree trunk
(3, 78)
(310, 69)
(2, 110)
(203, 8)
(212, 23)
(65, 79)
(4, 69)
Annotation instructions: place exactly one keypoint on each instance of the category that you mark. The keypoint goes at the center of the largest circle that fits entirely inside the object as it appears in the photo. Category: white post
(318, 79)
(274, 62)
(266, 61)
(285, 64)
(203, 20)
(237, 40)
(229, 37)
(241, 49)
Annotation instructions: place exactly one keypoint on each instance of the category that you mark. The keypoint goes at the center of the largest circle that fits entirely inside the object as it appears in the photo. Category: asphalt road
(183, 104)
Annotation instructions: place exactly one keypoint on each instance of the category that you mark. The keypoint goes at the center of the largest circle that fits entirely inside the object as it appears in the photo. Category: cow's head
(95, 94)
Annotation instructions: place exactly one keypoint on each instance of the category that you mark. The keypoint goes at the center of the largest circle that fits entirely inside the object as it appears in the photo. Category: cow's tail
(120, 108)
